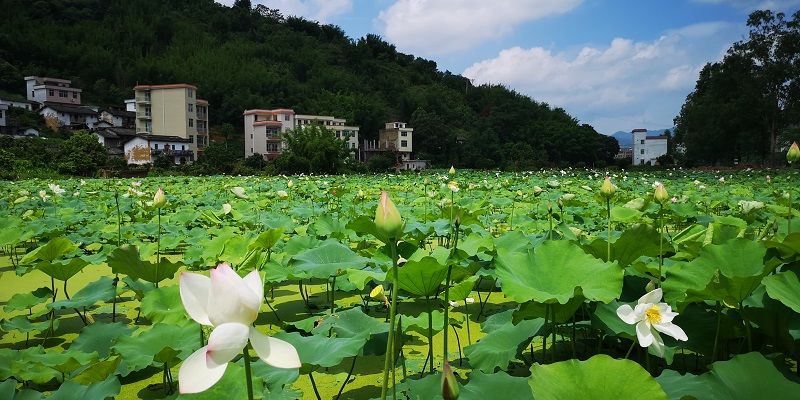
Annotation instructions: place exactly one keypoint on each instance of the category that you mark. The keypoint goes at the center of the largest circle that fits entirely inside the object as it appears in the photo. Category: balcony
(170, 152)
(143, 116)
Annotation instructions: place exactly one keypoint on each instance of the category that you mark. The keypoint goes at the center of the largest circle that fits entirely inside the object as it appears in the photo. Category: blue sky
(614, 64)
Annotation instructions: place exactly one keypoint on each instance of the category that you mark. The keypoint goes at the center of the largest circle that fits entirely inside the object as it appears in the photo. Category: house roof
(659, 137)
(119, 113)
(116, 132)
(68, 109)
(164, 138)
(269, 112)
(170, 86)
(639, 130)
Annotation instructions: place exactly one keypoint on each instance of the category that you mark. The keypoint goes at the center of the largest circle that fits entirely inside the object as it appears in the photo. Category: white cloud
(436, 27)
(316, 10)
(619, 86)
(749, 5)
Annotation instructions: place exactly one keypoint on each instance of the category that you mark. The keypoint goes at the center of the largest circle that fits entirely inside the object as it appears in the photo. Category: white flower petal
(230, 299)
(225, 342)
(671, 329)
(194, 290)
(253, 281)
(195, 376)
(628, 315)
(275, 352)
(651, 297)
(644, 334)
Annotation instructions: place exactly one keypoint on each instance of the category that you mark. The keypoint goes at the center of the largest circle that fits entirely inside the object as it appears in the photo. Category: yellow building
(172, 110)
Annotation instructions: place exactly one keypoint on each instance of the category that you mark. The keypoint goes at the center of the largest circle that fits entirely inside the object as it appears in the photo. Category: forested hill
(244, 57)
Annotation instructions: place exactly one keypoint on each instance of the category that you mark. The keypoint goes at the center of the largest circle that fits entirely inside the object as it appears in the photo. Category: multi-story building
(52, 90)
(175, 111)
(646, 149)
(263, 129)
(396, 138)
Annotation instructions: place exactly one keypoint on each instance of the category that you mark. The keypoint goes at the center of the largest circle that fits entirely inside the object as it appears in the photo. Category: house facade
(395, 138)
(172, 111)
(647, 148)
(52, 90)
(64, 115)
(263, 130)
(144, 149)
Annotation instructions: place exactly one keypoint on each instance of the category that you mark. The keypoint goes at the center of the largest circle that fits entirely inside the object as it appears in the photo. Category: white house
(143, 149)
(67, 115)
(646, 149)
(17, 103)
(3, 110)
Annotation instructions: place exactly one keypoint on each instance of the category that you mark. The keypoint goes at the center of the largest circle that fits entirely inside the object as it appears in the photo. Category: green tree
(313, 149)
(81, 154)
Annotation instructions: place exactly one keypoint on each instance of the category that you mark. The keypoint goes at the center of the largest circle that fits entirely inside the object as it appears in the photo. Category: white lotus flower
(226, 209)
(230, 304)
(453, 186)
(239, 192)
(652, 317)
(282, 194)
(56, 189)
(43, 195)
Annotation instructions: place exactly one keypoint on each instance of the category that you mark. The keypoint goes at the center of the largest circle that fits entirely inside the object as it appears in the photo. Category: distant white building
(143, 149)
(52, 90)
(3, 109)
(646, 149)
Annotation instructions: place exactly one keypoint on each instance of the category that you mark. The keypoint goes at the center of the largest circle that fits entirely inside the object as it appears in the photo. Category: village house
(647, 148)
(263, 130)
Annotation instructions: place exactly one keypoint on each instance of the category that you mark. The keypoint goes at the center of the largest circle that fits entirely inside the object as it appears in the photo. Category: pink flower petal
(226, 342)
(275, 352)
(230, 299)
(195, 376)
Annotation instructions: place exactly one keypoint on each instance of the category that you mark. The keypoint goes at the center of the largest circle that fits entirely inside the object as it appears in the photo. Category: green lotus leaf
(784, 287)
(322, 351)
(501, 346)
(360, 277)
(423, 277)
(72, 390)
(22, 324)
(99, 290)
(483, 386)
(557, 271)
(624, 214)
(745, 376)
(599, 378)
(427, 387)
(125, 260)
(156, 345)
(350, 323)
(266, 240)
(100, 338)
(25, 301)
(62, 270)
(164, 305)
(462, 290)
(50, 251)
(419, 323)
(332, 258)
(97, 371)
(8, 392)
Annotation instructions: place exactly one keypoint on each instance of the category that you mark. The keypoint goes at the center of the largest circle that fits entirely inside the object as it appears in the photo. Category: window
(641, 151)
(403, 143)
(183, 147)
(51, 92)
(285, 117)
(62, 93)
(251, 136)
(403, 134)
(155, 146)
(74, 95)
(189, 92)
(251, 150)
(191, 123)
(192, 138)
(641, 141)
(191, 107)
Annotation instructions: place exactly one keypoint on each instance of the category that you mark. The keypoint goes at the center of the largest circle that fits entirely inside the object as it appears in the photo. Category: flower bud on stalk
(607, 189)
(449, 383)
(452, 170)
(387, 218)
(793, 155)
(159, 200)
(660, 194)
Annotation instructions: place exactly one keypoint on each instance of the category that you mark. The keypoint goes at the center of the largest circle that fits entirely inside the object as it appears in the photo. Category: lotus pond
(526, 285)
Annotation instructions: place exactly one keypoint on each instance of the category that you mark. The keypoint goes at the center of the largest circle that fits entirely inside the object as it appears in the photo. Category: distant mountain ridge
(625, 139)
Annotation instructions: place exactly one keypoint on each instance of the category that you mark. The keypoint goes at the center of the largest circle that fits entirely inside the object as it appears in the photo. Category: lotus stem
(158, 246)
(608, 235)
(389, 356)
(466, 321)
(716, 334)
(544, 337)
(746, 328)
(248, 376)
(660, 244)
(628, 353)
(349, 374)
(313, 385)
(447, 291)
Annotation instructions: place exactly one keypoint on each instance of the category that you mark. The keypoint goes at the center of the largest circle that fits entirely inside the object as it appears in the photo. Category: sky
(614, 64)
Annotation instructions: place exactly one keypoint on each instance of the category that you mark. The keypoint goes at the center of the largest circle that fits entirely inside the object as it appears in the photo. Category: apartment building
(396, 137)
(647, 148)
(263, 129)
(174, 111)
(52, 90)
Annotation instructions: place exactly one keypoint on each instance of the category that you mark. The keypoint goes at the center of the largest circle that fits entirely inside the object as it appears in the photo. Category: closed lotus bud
(159, 200)
(660, 195)
(452, 170)
(387, 218)
(607, 189)
(449, 383)
(793, 155)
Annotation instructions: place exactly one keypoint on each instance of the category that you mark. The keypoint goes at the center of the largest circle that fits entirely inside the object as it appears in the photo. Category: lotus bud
(378, 293)
(449, 383)
(660, 195)
(159, 200)
(289, 184)
(793, 155)
(452, 170)
(387, 218)
(607, 189)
